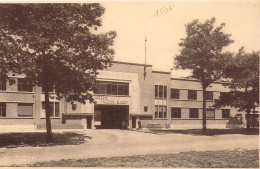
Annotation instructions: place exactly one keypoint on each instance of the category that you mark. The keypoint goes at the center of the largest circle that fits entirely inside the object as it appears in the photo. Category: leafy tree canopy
(57, 44)
(201, 50)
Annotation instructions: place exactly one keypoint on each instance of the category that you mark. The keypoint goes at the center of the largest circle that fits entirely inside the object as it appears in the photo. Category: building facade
(126, 92)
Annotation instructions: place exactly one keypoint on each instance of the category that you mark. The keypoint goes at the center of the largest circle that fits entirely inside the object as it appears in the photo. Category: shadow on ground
(36, 139)
(209, 132)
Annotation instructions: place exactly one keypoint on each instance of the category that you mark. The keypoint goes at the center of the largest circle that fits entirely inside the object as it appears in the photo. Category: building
(127, 92)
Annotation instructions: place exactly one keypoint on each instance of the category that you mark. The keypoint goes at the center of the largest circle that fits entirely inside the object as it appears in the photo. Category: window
(112, 88)
(223, 94)
(24, 85)
(194, 113)
(25, 110)
(160, 112)
(2, 109)
(54, 109)
(175, 112)
(2, 85)
(225, 113)
(160, 92)
(175, 93)
(192, 95)
(209, 95)
(210, 113)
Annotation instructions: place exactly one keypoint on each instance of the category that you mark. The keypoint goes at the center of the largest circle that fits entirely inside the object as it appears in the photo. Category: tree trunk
(248, 119)
(204, 125)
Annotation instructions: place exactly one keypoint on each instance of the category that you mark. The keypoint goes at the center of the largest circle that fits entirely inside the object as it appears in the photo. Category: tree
(243, 72)
(201, 51)
(59, 47)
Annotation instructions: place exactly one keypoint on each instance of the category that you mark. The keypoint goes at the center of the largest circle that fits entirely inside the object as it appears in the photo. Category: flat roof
(128, 63)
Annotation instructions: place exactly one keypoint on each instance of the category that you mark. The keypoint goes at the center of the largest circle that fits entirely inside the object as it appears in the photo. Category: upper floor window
(175, 112)
(175, 93)
(223, 94)
(112, 88)
(160, 92)
(192, 94)
(225, 113)
(2, 109)
(209, 95)
(24, 85)
(194, 113)
(2, 85)
(210, 113)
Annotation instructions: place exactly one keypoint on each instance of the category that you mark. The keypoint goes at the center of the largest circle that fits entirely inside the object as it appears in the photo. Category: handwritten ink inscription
(163, 11)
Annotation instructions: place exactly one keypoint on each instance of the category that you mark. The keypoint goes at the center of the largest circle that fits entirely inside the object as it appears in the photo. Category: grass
(209, 132)
(209, 159)
(37, 139)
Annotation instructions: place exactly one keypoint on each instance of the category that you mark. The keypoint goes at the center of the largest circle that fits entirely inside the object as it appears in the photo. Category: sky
(163, 24)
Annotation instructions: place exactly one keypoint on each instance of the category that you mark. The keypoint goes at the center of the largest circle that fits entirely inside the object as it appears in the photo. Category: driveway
(108, 143)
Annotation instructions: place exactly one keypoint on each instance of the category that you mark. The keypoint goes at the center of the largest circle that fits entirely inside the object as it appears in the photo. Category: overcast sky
(134, 20)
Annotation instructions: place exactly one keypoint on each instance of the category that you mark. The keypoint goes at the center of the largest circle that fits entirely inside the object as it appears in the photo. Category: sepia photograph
(129, 84)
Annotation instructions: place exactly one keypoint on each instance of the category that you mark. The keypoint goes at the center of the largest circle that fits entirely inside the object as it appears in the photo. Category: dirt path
(108, 143)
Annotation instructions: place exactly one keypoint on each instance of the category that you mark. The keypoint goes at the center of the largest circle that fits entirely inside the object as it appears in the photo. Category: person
(139, 124)
(123, 125)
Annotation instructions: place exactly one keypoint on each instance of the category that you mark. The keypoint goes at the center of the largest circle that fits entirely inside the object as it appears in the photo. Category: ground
(120, 143)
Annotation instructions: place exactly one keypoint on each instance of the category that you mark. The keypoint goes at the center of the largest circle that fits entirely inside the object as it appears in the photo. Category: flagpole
(145, 57)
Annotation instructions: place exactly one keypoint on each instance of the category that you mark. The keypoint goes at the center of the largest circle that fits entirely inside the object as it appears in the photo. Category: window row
(192, 94)
(23, 109)
(23, 85)
(160, 92)
(194, 113)
(112, 88)
(26, 109)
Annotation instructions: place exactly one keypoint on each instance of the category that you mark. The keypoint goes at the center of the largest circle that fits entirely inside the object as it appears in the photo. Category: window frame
(112, 88)
(24, 85)
(192, 94)
(53, 111)
(2, 85)
(190, 113)
(223, 111)
(178, 113)
(2, 109)
(176, 93)
(30, 104)
(209, 96)
(160, 92)
(207, 114)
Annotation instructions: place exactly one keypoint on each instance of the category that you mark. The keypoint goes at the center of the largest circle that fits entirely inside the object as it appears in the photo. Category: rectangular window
(223, 94)
(164, 112)
(54, 109)
(192, 94)
(209, 95)
(2, 109)
(160, 92)
(156, 112)
(25, 110)
(2, 85)
(210, 113)
(112, 88)
(175, 112)
(194, 113)
(175, 93)
(24, 85)
(160, 112)
(225, 113)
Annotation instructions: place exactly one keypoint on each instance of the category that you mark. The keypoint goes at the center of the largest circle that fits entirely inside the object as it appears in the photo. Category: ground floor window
(54, 109)
(175, 112)
(160, 112)
(225, 113)
(210, 113)
(2, 109)
(25, 110)
(194, 113)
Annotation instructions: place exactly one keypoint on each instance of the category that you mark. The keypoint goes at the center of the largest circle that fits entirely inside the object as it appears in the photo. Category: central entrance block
(111, 116)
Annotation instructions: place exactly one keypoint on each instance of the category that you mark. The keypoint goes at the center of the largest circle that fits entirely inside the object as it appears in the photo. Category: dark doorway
(133, 122)
(89, 122)
(112, 116)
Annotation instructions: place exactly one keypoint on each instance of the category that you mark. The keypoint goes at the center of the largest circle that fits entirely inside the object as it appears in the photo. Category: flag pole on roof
(145, 57)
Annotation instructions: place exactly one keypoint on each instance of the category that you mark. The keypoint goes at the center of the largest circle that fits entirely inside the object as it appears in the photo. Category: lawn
(38, 139)
(208, 159)
(209, 132)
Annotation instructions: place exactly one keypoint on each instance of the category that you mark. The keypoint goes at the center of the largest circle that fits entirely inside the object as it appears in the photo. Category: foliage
(58, 44)
(243, 72)
(201, 51)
